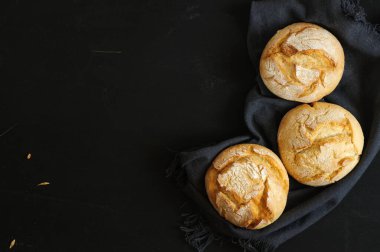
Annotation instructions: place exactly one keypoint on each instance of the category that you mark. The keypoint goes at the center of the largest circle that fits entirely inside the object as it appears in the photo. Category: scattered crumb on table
(12, 244)
(43, 184)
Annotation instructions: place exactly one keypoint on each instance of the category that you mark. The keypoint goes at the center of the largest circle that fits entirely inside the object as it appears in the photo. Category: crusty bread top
(302, 62)
(248, 185)
(319, 144)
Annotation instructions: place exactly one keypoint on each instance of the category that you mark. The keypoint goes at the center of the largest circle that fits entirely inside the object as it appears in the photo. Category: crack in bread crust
(342, 133)
(248, 185)
(321, 148)
(302, 62)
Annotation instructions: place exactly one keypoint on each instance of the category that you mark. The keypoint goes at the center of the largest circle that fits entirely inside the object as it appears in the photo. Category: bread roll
(320, 143)
(302, 62)
(248, 185)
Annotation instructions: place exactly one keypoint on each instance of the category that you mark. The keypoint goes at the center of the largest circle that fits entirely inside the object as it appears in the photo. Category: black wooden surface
(101, 93)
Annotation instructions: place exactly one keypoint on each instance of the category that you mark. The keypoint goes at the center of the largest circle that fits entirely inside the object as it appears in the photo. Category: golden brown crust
(319, 144)
(302, 62)
(248, 185)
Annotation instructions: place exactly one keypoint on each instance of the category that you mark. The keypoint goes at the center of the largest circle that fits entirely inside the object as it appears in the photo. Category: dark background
(102, 93)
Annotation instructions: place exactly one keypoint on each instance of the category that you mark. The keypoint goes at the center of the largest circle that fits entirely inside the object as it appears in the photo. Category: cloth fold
(358, 92)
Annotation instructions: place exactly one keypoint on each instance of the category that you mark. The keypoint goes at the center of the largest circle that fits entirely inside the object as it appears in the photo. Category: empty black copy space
(102, 93)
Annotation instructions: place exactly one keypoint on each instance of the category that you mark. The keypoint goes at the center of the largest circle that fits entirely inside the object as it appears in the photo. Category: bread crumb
(12, 244)
(43, 184)
(29, 156)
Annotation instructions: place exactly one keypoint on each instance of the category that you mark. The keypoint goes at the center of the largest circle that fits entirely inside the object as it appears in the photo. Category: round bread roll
(302, 62)
(248, 185)
(320, 143)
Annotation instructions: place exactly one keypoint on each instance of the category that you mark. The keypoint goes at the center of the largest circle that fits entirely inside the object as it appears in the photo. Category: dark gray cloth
(358, 92)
